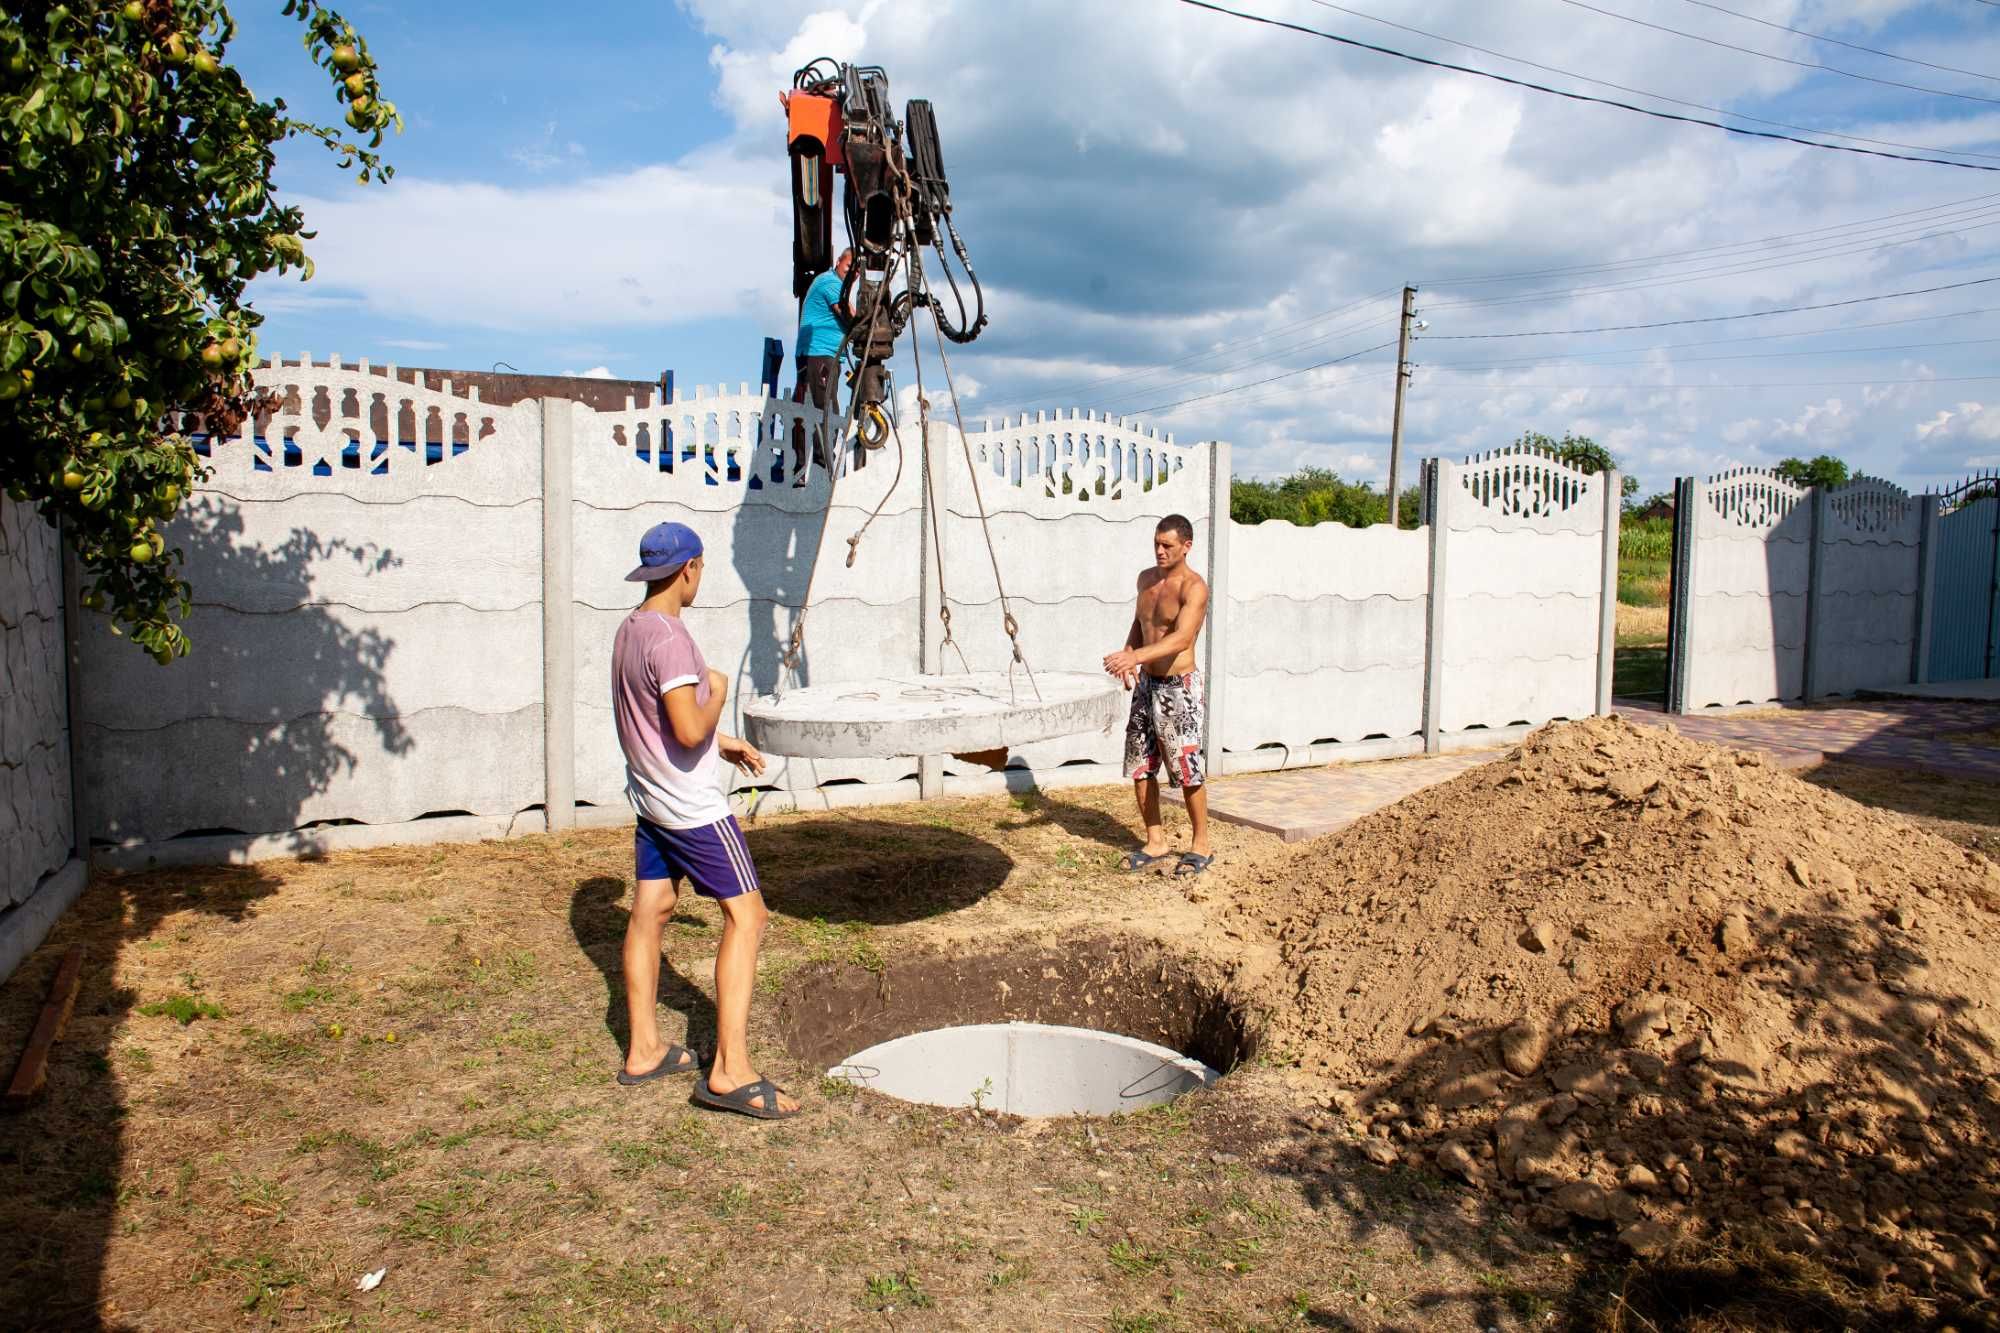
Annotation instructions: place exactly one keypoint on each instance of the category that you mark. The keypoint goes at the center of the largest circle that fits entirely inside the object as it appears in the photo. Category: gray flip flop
(743, 1101)
(678, 1060)
(1193, 864)
(1137, 861)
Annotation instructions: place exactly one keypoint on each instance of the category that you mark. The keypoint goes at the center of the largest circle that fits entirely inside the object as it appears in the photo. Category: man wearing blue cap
(667, 702)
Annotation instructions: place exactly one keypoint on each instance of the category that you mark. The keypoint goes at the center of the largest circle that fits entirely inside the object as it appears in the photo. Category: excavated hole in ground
(1096, 1027)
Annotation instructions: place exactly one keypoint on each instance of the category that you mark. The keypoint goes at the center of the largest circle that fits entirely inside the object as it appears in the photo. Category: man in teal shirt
(822, 324)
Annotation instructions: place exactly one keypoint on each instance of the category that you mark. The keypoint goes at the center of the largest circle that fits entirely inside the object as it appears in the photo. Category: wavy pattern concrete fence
(1784, 593)
(406, 599)
(35, 833)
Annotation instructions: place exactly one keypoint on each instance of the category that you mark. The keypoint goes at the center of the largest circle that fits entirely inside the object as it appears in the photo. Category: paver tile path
(1951, 739)
(1305, 803)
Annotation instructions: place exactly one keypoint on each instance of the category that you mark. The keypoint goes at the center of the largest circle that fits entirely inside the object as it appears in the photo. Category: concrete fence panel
(366, 560)
(35, 830)
(1520, 636)
(1742, 604)
(1326, 635)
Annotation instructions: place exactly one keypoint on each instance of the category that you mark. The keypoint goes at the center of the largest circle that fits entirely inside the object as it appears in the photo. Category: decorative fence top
(1752, 497)
(1083, 458)
(1871, 505)
(1528, 484)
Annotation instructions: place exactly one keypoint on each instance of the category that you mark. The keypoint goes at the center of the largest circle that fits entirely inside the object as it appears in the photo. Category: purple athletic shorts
(713, 857)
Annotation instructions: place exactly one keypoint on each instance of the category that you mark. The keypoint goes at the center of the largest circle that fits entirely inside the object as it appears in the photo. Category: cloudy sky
(1205, 222)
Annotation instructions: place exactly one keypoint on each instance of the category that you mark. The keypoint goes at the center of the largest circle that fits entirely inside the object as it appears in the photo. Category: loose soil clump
(1623, 980)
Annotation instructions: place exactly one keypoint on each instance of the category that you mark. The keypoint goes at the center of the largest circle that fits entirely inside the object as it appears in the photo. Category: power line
(1641, 92)
(1219, 393)
(1770, 384)
(1645, 260)
(1141, 372)
(1784, 60)
(1517, 362)
(1537, 359)
(1582, 97)
(1709, 319)
(1852, 46)
(1737, 268)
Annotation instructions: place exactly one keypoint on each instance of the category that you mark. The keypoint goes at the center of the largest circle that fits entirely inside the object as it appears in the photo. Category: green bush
(1317, 495)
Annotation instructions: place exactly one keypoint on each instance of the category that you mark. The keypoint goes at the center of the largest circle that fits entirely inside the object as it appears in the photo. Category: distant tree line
(1319, 495)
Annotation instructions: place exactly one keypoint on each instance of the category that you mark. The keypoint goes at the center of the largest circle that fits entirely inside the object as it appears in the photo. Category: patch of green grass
(446, 1217)
(1528, 1306)
(730, 1202)
(307, 997)
(888, 1291)
(278, 1049)
(1136, 1323)
(1130, 1257)
(265, 1278)
(847, 942)
(1639, 673)
(139, 1058)
(1085, 1219)
(1009, 1272)
(183, 1009)
(836, 1089)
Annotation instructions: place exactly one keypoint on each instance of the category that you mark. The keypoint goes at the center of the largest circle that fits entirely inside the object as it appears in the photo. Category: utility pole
(1396, 427)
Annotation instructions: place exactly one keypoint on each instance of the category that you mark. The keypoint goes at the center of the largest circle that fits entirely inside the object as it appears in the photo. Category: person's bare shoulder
(1189, 581)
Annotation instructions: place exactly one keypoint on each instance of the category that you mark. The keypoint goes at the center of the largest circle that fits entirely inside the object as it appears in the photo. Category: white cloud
(659, 245)
(594, 373)
(411, 344)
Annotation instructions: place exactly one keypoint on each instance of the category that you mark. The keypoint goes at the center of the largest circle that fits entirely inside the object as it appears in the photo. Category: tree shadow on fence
(1767, 1202)
(64, 1157)
(279, 691)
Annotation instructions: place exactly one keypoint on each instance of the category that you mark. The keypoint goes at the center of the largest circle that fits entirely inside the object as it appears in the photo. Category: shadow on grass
(597, 918)
(872, 870)
(63, 1158)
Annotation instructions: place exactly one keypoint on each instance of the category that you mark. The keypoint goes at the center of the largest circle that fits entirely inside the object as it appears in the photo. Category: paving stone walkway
(1951, 739)
(1302, 803)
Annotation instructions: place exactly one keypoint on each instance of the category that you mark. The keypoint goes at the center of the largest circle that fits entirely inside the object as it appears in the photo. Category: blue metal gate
(1965, 625)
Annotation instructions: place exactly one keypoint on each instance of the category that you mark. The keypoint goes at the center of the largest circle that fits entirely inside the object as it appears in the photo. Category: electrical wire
(1836, 41)
(1083, 386)
(1783, 237)
(1518, 362)
(1711, 319)
(1784, 60)
(1581, 97)
(1738, 269)
(1641, 92)
(1258, 361)
(1221, 393)
(1771, 384)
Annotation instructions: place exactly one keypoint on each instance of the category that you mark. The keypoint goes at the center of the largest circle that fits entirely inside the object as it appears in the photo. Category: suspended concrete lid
(887, 716)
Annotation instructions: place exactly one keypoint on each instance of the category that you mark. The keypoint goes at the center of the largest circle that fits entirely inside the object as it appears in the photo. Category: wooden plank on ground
(32, 1073)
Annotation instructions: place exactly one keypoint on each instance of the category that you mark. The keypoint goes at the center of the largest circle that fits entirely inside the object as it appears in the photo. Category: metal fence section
(1964, 638)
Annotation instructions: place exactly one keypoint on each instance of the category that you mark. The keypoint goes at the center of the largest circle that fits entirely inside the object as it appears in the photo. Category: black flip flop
(678, 1060)
(743, 1100)
(1137, 861)
(1193, 864)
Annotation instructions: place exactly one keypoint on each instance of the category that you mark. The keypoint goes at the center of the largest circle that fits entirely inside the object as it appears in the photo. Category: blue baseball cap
(663, 550)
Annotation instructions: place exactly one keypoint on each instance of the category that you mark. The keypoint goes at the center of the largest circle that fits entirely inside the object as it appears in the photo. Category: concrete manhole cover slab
(886, 716)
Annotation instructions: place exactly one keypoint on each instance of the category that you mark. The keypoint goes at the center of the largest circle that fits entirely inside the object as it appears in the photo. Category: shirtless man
(1169, 709)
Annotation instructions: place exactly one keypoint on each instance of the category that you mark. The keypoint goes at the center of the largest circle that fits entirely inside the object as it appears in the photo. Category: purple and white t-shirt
(667, 783)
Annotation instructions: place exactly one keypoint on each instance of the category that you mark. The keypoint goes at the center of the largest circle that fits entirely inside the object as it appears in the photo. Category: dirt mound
(1623, 978)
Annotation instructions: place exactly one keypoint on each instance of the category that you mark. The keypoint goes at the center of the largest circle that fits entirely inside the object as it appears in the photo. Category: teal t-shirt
(820, 330)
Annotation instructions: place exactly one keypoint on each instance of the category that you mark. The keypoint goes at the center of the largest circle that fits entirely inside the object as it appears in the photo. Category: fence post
(1438, 492)
(932, 506)
(1216, 664)
(1607, 611)
(1814, 572)
(1928, 507)
(558, 616)
(1689, 494)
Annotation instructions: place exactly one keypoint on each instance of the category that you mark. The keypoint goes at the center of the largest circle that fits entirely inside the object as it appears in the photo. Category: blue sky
(1176, 212)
